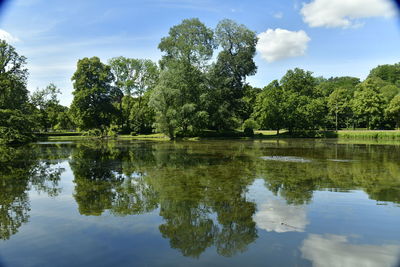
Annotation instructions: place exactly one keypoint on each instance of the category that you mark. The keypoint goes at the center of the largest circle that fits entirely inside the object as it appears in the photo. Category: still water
(209, 203)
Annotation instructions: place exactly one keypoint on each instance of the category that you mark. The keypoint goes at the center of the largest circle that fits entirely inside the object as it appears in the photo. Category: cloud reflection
(275, 215)
(335, 250)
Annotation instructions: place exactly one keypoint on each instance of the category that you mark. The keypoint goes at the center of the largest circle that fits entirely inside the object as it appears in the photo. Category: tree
(190, 42)
(15, 127)
(134, 77)
(387, 72)
(328, 86)
(228, 75)
(339, 105)
(303, 105)
(393, 110)
(268, 110)
(299, 81)
(93, 95)
(13, 78)
(389, 91)
(47, 103)
(16, 124)
(176, 98)
(368, 104)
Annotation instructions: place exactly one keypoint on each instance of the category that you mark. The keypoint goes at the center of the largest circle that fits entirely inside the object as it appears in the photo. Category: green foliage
(339, 106)
(135, 78)
(190, 43)
(269, 108)
(64, 121)
(93, 95)
(15, 127)
(93, 133)
(112, 131)
(380, 135)
(47, 107)
(327, 87)
(299, 81)
(389, 91)
(176, 98)
(251, 124)
(393, 110)
(227, 76)
(368, 104)
(13, 78)
(388, 73)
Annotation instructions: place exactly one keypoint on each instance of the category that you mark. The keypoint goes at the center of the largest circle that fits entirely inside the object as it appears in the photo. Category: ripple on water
(286, 159)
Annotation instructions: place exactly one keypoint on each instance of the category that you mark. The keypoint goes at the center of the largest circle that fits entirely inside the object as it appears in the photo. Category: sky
(328, 37)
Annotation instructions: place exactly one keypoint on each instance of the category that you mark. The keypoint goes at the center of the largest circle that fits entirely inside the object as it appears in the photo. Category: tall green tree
(304, 106)
(393, 110)
(339, 106)
(48, 106)
(92, 106)
(16, 123)
(269, 109)
(368, 104)
(299, 81)
(228, 75)
(134, 77)
(13, 78)
(176, 98)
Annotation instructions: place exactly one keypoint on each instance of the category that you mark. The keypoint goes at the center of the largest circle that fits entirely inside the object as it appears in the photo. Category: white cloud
(278, 15)
(343, 13)
(7, 37)
(277, 216)
(335, 251)
(278, 44)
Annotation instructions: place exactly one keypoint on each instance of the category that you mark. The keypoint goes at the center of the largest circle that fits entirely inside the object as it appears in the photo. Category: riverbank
(261, 134)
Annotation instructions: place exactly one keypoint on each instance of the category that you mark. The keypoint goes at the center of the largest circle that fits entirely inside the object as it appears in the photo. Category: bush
(93, 133)
(251, 124)
(15, 127)
(112, 131)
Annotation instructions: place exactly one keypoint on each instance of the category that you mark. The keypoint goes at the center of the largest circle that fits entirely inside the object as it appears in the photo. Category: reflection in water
(21, 170)
(274, 214)
(280, 217)
(336, 250)
(201, 190)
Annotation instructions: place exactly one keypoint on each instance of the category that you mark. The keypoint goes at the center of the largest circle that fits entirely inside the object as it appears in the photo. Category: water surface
(215, 203)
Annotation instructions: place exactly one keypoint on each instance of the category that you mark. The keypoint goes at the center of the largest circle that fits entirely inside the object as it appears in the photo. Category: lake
(209, 203)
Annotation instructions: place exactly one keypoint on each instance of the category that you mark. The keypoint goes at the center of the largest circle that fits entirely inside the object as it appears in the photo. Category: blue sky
(327, 37)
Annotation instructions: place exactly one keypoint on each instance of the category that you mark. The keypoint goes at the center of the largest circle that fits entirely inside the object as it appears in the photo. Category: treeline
(192, 90)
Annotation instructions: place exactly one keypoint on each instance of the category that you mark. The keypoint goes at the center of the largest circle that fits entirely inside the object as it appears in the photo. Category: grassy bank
(383, 134)
(262, 134)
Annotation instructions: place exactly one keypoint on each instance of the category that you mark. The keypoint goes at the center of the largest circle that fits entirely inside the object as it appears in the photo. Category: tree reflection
(200, 188)
(372, 168)
(22, 169)
(200, 192)
(101, 184)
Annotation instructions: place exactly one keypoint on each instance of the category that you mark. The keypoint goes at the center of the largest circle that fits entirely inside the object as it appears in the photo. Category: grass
(369, 134)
